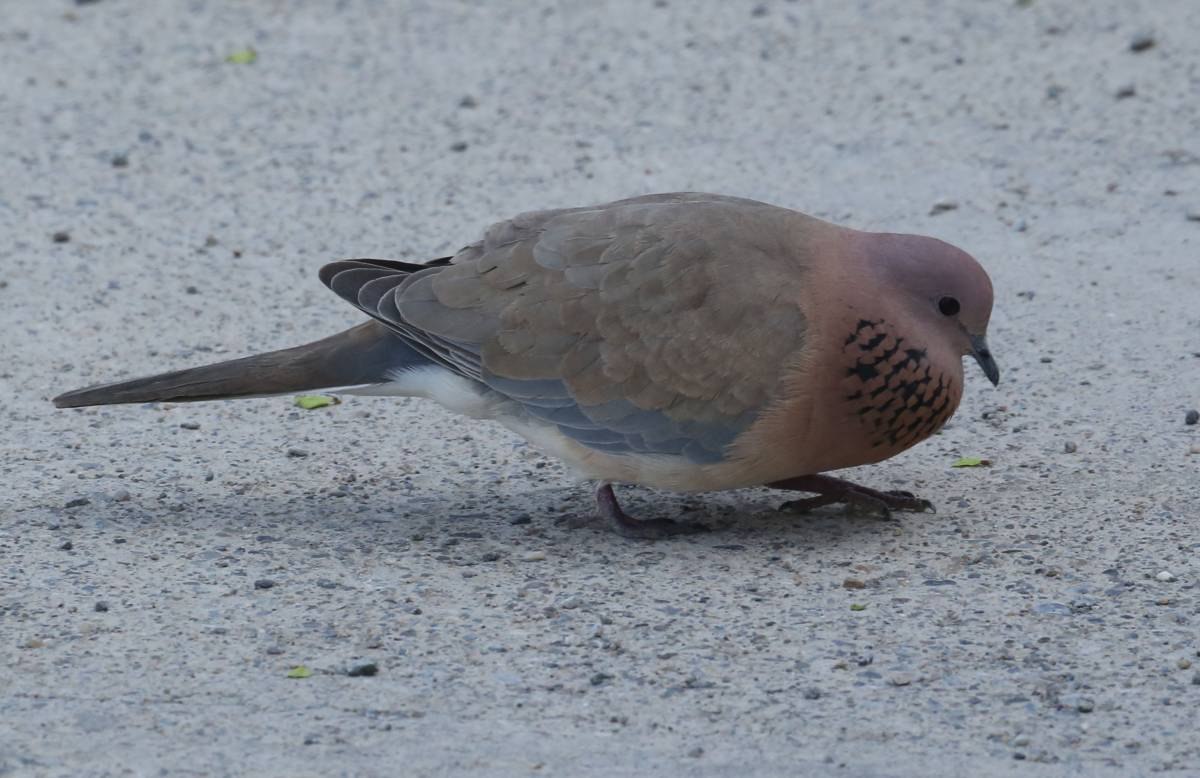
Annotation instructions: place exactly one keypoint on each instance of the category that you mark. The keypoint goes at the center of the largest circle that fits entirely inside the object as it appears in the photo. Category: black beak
(979, 350)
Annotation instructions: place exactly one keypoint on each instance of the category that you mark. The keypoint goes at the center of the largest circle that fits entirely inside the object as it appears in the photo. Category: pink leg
(830, 490)
(616, 520)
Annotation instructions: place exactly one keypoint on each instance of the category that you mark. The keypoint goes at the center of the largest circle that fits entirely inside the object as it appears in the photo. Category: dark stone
(1142, 42)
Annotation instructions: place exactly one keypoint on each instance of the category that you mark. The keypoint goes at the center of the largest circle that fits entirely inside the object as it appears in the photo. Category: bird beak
(983, 355)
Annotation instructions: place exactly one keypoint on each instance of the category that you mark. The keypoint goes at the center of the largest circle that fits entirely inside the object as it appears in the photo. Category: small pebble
(1126, 92)
(122, 495)
(274, 650)
(900, 679)
(812, 693)
(490, 556)
(600, 678)
(1070, 447)
(459, 146)
(62, 236)
(191, 290)
(66, 546)
(1142, 42)
(1085, 705)
(524, 518)
(1193, 216)
(574, 601)
(533, 556)
(1191, 418)
(853, 583)
(120, 160)
(1196, 679)
(190, 425)
(1183, 663)
(696, 752)
(1047, 360)
(1165, 576)
(365, 670)
(297, 452)
(264, 583)
(468, 102)
(100, 607)
(943, 206)
(78, 502)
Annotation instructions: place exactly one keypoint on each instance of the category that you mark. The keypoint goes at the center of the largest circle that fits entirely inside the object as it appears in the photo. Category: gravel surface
(377, 588)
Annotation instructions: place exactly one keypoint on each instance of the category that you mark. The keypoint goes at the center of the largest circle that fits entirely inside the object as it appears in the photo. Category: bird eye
(948, 306)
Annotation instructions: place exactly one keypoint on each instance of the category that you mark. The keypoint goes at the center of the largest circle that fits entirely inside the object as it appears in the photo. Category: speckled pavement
(162, 569)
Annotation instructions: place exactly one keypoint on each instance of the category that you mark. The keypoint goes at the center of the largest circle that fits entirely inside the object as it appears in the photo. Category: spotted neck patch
(895, 392)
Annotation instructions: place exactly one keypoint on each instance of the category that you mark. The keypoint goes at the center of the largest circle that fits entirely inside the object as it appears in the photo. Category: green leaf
(311, 401)
(246, 56)
(971, 462)
(299, 671)
(858, 606)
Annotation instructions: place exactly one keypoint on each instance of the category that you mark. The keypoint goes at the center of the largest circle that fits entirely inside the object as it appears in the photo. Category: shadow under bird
(686, 341)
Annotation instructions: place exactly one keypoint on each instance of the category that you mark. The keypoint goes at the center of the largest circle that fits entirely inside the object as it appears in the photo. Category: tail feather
(362, 355)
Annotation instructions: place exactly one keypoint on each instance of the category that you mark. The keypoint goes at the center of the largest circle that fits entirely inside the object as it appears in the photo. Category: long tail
(360, 356)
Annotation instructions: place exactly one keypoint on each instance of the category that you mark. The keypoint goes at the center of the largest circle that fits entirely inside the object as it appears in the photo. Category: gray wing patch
(619, 426)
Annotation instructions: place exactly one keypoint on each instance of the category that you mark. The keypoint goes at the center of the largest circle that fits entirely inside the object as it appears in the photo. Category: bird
(684, 341)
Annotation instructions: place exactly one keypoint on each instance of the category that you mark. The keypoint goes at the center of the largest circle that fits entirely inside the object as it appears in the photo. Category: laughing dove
(689, 342)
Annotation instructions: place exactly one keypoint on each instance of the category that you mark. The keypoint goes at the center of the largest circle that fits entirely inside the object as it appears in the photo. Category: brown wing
(657, 325)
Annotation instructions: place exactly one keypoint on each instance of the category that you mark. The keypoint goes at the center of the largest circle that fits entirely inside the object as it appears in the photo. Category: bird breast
(896, 392)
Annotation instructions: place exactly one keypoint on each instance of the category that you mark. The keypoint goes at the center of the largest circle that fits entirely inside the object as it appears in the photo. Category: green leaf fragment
(246, 56)
(971, 462)
(310, 401)
(299, 671)
(858, 607)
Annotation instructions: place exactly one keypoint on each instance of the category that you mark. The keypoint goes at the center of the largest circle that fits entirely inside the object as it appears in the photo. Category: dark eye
(948, 306)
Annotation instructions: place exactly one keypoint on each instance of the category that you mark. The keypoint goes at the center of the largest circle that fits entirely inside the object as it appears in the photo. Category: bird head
(941, 287)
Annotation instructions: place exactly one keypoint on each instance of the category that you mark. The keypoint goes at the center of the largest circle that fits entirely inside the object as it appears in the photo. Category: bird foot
(835, 490)
(613, 519)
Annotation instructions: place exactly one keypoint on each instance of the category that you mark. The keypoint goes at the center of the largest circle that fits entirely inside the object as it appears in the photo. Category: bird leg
(830, 490)
(616, 520)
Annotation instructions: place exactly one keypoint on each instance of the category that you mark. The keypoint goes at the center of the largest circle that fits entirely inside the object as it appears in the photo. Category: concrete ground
(162, 569)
